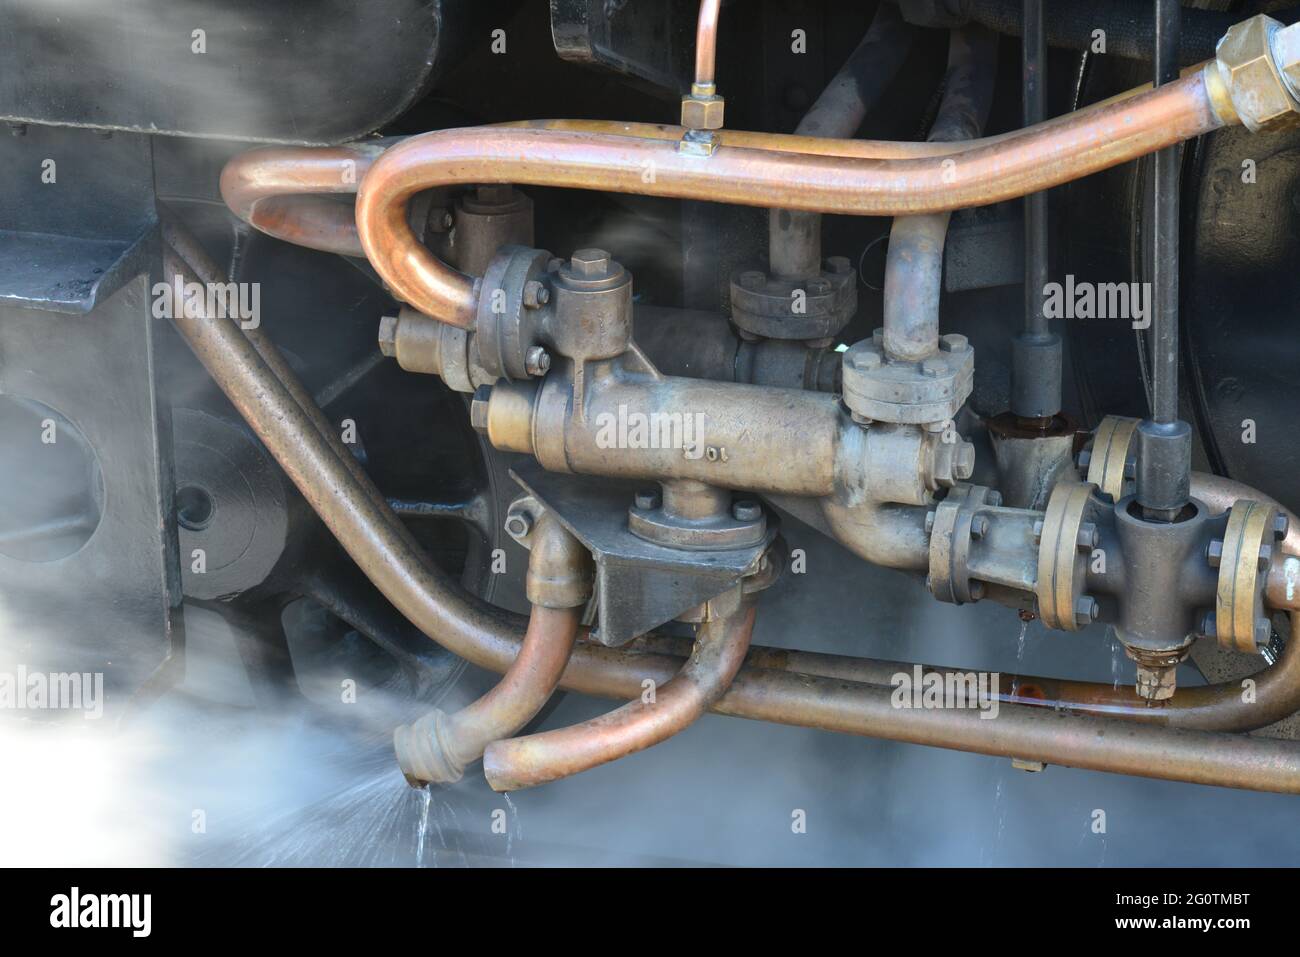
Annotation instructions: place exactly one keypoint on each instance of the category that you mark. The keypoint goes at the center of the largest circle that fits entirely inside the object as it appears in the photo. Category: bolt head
(388, 336)
(933, 367)
(746, 510)
(519, 524)
(929, 522)
(537, 361)
(1214, 553)
(1281, 525)
(963, 462)
(590, 263)
(648, 499)
(954, 342)
(536, 294)
(1088, 537)
(1263, 632)
(979, 527)
(1085, 610)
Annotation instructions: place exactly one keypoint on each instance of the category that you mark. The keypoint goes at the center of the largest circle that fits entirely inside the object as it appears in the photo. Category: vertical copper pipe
(720, 648)
(706, 43)
(437, 748)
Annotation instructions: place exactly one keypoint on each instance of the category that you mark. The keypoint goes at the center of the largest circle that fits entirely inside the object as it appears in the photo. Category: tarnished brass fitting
(560, 569)
(1259, 63)
(703, 109)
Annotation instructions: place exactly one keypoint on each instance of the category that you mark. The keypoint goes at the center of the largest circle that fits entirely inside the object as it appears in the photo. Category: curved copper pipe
(437, 748)
(706, 42)
(489, 637)
(279, 190)
(1046, 155)
(538, 758)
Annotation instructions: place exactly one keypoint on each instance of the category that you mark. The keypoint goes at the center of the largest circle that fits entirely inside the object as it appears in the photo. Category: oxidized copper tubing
(706, 42)
(1037, 158)
(438, 747)
(491, 637)
(655, 716)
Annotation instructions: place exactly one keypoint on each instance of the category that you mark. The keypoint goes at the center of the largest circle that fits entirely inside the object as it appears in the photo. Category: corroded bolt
(934, 367)
(478, 408)
(979, 527)
(1214, 552)
(590, 263)
(862, 360)
(536, 294)
(954, 342)
(1265, 557)
(1088, 537)
(746, 510)
(1281, 525)
(537, 361)
(519, 524)
(1085, 610)
(647, 499)
(388, 335)
(1156, 682)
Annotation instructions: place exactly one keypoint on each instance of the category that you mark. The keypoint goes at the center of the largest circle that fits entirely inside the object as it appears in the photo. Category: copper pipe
(490, 637)
(1046, 155)
(720, 647)
(438, 747)
(280, 190)
(706, 42)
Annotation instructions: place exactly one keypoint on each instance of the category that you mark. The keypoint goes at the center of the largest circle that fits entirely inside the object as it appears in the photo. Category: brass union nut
(702, 112)
(1254, 78)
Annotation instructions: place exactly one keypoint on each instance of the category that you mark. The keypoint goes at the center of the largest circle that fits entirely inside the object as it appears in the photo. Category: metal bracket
(639, 585)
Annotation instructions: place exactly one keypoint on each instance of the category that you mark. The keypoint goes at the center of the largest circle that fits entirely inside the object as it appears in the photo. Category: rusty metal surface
(655, 716)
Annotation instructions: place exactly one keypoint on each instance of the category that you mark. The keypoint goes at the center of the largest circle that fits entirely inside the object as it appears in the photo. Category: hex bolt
(1085, 459)
(1085, 610)
(537, 361)
(1038, 530)
(1265, 557)
(536, 294)
(929, 522)
(1210, 625)
(862, 360)
(1214, 552)
(519, 524)
(979, 527)
(954, 342)
(746, 510)
(1281, 525)
(590, 263)
(1263, 632)
(478, 408)
(647, 499)
(388, 336)
(1087, 536)
(933, 367)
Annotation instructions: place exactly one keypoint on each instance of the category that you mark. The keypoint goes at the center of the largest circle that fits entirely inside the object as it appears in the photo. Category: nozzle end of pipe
(422, 753)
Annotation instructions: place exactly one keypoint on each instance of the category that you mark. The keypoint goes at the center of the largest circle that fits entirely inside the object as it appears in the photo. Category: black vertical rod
(1036, 351)
(1164, 440)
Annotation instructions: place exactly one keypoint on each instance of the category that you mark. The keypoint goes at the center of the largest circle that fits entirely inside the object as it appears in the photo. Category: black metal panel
(295, 71)
(646, 40)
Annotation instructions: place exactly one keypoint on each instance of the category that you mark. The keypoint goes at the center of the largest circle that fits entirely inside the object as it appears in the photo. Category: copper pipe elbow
(719, 650)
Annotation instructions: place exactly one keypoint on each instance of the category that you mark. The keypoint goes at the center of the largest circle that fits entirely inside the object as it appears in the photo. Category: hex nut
(702, 112)
(478, 408)
(1259, 91)
(388, 336)
(746, 510)
(537, 361)
(590, 263)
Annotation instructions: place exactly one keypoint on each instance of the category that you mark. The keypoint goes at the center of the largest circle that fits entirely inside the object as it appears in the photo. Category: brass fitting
(1259, 63)
(559, 567)
(703, 109)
